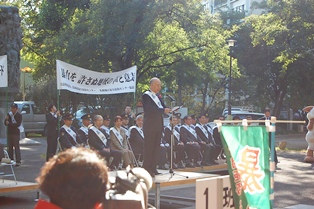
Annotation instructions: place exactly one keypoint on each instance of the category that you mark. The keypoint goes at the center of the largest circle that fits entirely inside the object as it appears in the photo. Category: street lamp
(230, 44)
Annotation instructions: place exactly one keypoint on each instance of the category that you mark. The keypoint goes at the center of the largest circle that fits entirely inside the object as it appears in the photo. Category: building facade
(246, 6)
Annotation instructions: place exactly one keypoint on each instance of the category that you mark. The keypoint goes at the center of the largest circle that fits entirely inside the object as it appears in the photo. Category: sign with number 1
(213, 193)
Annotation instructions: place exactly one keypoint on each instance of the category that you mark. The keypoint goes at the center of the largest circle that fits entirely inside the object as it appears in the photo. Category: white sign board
(3, 71)
(80, 80)
(213, 193)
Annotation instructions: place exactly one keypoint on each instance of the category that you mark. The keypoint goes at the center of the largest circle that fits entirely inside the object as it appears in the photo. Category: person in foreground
(75, 178)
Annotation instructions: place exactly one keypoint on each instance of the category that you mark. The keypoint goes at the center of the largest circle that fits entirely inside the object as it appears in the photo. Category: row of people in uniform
(109, 142)
(196, 139)
(191, 143)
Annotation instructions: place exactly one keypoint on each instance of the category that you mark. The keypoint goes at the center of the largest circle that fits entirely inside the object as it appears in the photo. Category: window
(37, 110)
(26, 108)
(240, 8)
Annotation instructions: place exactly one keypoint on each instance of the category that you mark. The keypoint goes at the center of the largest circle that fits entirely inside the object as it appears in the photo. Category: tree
(162, 38)
(272, 47)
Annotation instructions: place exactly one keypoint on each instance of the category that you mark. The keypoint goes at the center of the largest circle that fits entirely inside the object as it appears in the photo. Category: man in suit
(125, 124)
(130, 114)
(118, 139)
(189, 137)
(106, 124)
(13, 120)
(267, 116)
(137, 136)
(211, 150)
(98, 141)
(69, 138)
(52, 119)
(83, 131)
(193, 123)
(153, 126)
(178, 146)
(165, 151)
(217, 137)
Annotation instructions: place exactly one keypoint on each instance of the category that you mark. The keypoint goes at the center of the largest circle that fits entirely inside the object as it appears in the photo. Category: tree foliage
(174, 40)
(275, 51)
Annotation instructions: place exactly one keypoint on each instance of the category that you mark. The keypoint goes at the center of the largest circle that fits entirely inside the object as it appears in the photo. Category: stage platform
(178, 178)
(175, 179)
(10, 186)
(206, 169)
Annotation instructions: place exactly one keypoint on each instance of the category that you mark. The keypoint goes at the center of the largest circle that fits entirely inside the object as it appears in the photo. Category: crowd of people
(123, 143)
(187, 141)
(195, 143)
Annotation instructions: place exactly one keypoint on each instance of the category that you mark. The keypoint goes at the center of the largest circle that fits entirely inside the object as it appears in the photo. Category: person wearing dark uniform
(217, 137)
(207, 125)
(165, 150)
(125, 124)
(154, 108)
(69, 138)
(132, 117)
(207, 144)
(178, 146)
(13, 120)
(106, 124)
(52, 119)
(267, 116)
(98, 141)
(137, 137)
(83, 131)
(193, 123)
(189, 138)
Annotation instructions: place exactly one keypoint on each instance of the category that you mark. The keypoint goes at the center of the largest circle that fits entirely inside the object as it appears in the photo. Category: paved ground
(293, 181)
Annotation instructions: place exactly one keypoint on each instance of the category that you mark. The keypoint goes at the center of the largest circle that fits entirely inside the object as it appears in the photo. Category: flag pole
(6, 110)
(58, 104)
(272, 163)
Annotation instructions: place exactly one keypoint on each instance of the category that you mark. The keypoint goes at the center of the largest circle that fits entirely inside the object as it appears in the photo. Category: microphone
(172, 99)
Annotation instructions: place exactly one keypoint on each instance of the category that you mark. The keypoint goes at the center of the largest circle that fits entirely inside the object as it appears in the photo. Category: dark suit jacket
(13, 127)
(202, 136)
(217, 136)
(52, 124)
(95, 142)
(153, 115)
(187, 136)
(136, 141)
(167, 136)
(82, 136)
(263, 118)
(67, 141)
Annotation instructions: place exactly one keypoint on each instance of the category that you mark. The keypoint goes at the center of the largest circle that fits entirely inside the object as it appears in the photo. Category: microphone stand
(172, 173)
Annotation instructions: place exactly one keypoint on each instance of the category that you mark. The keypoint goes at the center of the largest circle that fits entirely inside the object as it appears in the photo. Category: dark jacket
(168, 133)
(52, 123)
(187, 136)
(95, 142)
(202, 136)
(263, 118)
(136, 141)
(13, 127)
(67, 141)
(153, 115)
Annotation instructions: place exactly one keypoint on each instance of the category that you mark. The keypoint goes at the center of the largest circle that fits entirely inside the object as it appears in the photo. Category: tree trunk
(204, 94)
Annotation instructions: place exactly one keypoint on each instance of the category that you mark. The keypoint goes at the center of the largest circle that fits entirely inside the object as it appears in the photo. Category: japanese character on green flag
(247, 153)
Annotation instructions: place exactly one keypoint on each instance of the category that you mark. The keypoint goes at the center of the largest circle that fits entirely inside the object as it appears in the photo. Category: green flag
(247, 154)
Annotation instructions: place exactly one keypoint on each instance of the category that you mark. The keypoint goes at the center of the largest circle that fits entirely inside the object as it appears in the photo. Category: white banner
(3, 71)
(80, 80)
